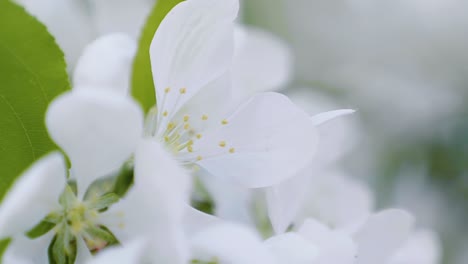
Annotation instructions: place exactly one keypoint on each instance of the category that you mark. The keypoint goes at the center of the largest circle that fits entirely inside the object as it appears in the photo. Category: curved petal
(162, 189)
(78, 31)
(335, 246)
(284, 201)
(233, 202)
(423, 247)
(291, 248)
(266, 141)
(34, 195)
(131, 253)
(192, 46)
(106, 64)
(229, 243)
(195, 221)
(213, 101)
(23, 250)
(324, 117)
(382, 235)
(336, 199)
(98, 130)
(112, 16)
(262, 62)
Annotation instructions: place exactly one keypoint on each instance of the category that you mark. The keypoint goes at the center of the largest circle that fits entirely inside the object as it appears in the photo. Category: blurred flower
(76, 23)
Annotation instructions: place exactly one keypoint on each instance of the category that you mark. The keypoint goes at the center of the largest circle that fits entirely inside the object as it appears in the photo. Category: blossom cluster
(128, 186)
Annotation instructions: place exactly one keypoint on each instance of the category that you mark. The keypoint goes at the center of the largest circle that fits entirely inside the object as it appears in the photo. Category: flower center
(179, 133)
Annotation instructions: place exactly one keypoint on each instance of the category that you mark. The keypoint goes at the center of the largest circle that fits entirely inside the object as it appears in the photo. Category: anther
(182, 90)
(222, 144)
(170, 126)
(224, 122)
(204, 117)
(232, 150)
(190, 148)
(199, 158)
(186, 118)
(199, 136)
(167, 90)
(186, 126)
(165, 113)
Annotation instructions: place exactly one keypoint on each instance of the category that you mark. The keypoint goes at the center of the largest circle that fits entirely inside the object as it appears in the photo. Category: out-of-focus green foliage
(142, 79)
(33, 73)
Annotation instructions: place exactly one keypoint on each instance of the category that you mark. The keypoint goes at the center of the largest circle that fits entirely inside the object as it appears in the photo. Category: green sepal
(40, 229)
(62, 248)
(99, 188)
(104, 201)
(124, 179)
(102, 233)
(68, 197)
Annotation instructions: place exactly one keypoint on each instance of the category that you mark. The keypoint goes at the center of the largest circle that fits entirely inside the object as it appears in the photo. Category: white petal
(78, 31)
(154, 208)
(130, 253)
(284, 200)
(382, 235)
(97, 130)
(262, 62)
(192, 47)
(23, 250)
(423, 247)
(34, 195)
(106, 63)
(334, 246)
(335, 199)
(324, 117)
(291, 248)
(112, 16)
(213, 100)
(271, 139)
(233, 202)
(195, 221)
(229, 243)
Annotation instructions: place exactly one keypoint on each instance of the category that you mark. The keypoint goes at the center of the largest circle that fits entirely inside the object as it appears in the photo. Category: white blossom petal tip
(97, 130)
(106, 64)
(324, 117)
(33, 195)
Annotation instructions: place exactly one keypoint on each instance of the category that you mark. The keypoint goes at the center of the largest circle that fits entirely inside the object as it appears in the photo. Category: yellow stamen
(186, 118)
(224, 122)
(222, 144)
(232, 150)
(199, 136)
(165, 113)
(199, 158)
(182, 90)
(204, 117)
(167, 90)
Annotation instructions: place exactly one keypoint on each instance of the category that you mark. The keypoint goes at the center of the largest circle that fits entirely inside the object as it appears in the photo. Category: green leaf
(142, 79)
(32, 73)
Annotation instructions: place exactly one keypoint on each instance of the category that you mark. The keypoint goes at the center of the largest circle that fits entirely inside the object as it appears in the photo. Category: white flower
(422, 247)
(267, 139)
(302, 194)
(88, 20)
(98, 126)
(220, 243)
(376, 240)
(262, 62)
